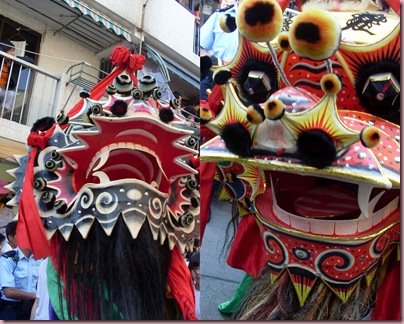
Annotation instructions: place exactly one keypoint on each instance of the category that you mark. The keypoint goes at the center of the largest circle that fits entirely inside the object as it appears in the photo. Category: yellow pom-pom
(205, 115)
(330, 83)
(315, 34)
(259, 20)
(255, 114)
(283, 41)
(274, 109)
(370, 136)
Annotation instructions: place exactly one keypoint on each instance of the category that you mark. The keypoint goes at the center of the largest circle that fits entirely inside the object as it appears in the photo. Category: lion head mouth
(323, 207)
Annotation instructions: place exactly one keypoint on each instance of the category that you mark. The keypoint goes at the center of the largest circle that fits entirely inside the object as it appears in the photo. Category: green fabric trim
(53, 290)
(116, 314)
(230, 306)
(52, 282)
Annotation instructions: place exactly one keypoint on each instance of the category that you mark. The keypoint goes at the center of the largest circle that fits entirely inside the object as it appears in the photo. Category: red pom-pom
(119, 108)
(119, 55)
(136, 62)
(166, 115)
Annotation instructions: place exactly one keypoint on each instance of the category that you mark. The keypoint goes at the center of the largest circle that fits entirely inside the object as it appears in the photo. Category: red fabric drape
(207, 172)
(388, 302)
(247, 251)
(30, 232)
(182, 287)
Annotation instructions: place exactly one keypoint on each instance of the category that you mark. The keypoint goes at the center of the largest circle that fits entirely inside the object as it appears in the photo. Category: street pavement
(218, 280)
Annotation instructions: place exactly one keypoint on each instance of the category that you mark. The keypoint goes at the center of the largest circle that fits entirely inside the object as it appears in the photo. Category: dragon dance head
(309, 145)
(108, 179)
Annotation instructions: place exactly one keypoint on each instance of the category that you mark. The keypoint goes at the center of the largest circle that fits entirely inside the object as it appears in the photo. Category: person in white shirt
(40, 309)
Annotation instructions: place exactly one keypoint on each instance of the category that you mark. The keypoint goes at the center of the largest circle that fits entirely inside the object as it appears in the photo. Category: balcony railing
(83, 75)
(35, 95)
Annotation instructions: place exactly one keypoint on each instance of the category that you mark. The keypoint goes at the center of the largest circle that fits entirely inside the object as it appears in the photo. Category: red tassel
(30, 232)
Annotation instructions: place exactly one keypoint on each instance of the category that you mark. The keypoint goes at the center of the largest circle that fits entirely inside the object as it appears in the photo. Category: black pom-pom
(43, 124)
(222, 76)
(119, 108)
(166, 115)
(237, 139)
(316, 148)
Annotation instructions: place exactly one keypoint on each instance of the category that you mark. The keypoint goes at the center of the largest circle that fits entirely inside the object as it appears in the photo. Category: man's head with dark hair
(176, 94)
(194, 101)
(11, 230)
(197, 246)
(195, 261)
(189, 111)
(2, 241)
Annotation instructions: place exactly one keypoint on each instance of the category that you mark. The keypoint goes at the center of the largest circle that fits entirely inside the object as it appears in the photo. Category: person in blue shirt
(215, 41)
(18, 279)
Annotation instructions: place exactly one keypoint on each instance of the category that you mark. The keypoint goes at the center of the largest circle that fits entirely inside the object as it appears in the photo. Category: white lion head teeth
(367, 217)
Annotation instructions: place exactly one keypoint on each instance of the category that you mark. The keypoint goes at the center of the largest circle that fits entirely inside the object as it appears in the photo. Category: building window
(18, 34)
